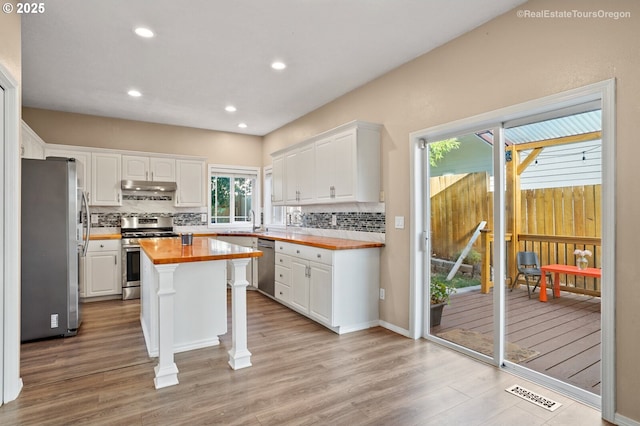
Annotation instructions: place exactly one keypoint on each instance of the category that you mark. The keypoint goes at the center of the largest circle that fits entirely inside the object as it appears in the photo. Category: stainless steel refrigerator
(54, 235)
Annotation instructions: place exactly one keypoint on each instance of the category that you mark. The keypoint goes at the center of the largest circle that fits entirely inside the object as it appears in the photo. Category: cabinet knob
(280, 293)
(101, 245)
(280, 260)
(280, 275)
(298, 251)
(319, 255)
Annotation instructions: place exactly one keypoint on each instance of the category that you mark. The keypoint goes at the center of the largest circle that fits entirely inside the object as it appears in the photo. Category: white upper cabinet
(136, 167)
(31, 145)
(298, 171)
(163, 169)
(340, 165)
(106, 176)
(277, 180)
(191, 181)
(348, 165)
(83, 163)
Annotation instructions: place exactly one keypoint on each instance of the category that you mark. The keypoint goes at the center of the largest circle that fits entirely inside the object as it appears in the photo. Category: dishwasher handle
(266, 244)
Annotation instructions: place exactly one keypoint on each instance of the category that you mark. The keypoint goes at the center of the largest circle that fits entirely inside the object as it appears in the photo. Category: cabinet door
(190, 178)
(345, 166)
(31, 145)
(277, 180)
(102, 274)
(162, 169)
(83, 163)
(290, 174)
(135, 167)
(105, 179)
(299, 285)
(324, 169)
(305, 167)
(320, 293)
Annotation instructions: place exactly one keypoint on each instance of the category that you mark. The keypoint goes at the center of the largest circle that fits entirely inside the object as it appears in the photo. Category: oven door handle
(131, 249)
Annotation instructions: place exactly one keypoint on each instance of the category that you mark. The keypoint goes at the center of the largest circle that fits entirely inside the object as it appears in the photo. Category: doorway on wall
(562, 205)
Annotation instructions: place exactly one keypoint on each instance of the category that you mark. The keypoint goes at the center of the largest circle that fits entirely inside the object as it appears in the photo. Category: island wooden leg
(239, 355)
(166, 370)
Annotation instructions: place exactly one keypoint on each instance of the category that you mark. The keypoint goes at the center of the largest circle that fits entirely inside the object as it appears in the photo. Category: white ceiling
(82, 56)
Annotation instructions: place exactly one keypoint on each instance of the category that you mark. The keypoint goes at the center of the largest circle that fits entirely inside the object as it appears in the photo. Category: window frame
(232, 171)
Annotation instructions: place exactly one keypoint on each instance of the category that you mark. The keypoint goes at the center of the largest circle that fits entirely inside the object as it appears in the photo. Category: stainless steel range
(133, 229)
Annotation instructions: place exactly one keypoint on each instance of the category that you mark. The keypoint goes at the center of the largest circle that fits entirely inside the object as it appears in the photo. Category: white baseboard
(395, 329)
(625, 421)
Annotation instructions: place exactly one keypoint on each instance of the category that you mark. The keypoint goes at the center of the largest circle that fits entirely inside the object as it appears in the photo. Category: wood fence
(554, 221)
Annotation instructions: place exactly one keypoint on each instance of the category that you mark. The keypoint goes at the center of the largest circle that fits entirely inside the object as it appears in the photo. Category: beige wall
(10, 44)
(101, 132)
(504, 62)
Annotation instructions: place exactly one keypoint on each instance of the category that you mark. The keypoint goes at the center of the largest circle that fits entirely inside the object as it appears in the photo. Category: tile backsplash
(348, 221)
(112, 220)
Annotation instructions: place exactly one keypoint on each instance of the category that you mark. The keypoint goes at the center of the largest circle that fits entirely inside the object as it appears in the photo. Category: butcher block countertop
(105, 237)
(307, 240)
(170, 250)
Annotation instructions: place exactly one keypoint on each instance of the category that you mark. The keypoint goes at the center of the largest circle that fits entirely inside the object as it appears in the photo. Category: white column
(166, 370)
(239, 355)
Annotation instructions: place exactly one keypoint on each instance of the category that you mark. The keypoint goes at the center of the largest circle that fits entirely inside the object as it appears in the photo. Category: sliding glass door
(511, 202)
(461, 189)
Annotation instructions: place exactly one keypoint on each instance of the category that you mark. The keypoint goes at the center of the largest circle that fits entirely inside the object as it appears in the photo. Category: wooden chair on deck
(528, 264)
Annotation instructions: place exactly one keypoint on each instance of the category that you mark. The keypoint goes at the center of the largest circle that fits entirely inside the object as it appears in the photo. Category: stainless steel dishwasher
(266, 267)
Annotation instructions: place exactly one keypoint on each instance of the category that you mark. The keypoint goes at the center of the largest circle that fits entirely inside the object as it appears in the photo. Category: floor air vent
(533, 397)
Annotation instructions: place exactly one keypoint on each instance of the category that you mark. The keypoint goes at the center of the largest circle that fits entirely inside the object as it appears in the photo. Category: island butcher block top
(170, 250)
(328, 243)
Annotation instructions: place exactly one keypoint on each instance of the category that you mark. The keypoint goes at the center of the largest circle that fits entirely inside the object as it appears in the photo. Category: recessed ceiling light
(134, 93)
(230, 108)
(278, 65)
(144, 32)
(242, 125)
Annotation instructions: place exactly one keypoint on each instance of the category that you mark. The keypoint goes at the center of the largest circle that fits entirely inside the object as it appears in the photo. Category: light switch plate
(399, 222)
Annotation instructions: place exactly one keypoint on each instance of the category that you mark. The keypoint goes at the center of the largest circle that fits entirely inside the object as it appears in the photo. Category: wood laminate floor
(565, 331)
(302, 374)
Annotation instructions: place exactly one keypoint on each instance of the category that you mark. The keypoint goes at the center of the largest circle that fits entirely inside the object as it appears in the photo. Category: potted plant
(440, 291)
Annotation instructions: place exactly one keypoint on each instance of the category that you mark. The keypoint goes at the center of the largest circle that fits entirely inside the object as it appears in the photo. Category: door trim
(603, 91)
(10, 307)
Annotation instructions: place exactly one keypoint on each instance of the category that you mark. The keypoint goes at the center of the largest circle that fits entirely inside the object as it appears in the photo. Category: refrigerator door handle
(87, 223)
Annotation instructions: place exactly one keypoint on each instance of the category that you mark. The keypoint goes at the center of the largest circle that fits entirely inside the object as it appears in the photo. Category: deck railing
(551, 249)
(558, 249)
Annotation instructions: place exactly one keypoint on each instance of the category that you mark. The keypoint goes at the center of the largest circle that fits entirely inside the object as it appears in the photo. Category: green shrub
(441, 289)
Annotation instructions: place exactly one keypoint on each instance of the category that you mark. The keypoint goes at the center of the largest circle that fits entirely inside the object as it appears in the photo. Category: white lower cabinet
(337, 288)
(300, 284)
(102, 270)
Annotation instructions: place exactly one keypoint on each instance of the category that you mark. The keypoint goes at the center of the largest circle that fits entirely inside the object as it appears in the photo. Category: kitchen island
(183, 302)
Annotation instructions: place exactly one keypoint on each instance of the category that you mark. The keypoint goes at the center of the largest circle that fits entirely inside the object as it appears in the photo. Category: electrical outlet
(95, 218)
(382, 196)
(203, 217)
(382, 294)
(334, 220)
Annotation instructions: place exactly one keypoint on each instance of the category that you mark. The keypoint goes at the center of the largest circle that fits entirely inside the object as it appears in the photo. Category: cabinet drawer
(283, 292)
(283, 275)
(283, 260)
(103, 245)
(285, 248)
(314, 254)
(301, 251)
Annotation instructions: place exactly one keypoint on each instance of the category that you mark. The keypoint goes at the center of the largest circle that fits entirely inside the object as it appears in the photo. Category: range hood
(148, 185)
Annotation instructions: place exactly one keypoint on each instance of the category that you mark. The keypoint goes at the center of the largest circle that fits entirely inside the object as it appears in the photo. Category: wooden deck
(565, 331)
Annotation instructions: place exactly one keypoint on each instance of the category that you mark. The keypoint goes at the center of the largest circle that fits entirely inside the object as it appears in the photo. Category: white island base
(183, 307)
